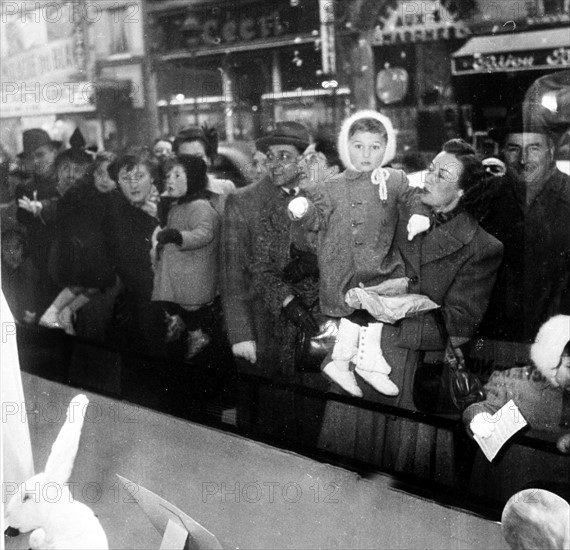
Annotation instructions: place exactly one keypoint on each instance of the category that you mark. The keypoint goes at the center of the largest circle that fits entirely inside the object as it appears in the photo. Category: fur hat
(549, 344)
(34, 138)
(345, 128)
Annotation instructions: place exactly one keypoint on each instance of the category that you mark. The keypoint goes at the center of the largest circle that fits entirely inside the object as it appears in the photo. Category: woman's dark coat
(455, 265)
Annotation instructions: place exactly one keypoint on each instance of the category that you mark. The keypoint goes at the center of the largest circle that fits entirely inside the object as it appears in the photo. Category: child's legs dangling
(370, 362)
(50, 318)
(67, 314)
(344, 351)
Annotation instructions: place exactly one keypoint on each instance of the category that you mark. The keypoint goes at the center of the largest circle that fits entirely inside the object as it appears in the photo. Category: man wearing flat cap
(38, 157)
(262, 311)
(530, 217)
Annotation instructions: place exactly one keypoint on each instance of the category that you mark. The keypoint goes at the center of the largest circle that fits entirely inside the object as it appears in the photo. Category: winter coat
(517, 465)
(272, 254)
(534, 280)
(356, 232)
(455, 265)
(245, 315)
(188, 274)
(40, 232)
(19, 287)
(78, 256)
(128, 236)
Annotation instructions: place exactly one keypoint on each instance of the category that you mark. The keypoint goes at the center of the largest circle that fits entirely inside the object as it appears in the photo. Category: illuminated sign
(516, 61)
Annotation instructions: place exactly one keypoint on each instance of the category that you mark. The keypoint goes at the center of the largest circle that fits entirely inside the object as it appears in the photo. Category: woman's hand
(453, 350)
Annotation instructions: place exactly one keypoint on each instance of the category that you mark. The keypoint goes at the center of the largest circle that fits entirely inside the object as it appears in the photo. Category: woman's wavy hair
(130, 162)
(196, 176)
(479, 185)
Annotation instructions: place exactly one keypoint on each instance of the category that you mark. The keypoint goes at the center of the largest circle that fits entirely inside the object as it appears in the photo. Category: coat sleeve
(267, 277)
(408, 196)
(464, 304)
(467, 299)
(202, 227)
(235, 278)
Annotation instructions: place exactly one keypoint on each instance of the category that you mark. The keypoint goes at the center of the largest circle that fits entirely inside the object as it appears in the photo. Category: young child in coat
(537, 390)
(186, 272)
(356, 215)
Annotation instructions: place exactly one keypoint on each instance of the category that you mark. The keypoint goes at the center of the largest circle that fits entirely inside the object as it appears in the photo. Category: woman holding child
(454, 264)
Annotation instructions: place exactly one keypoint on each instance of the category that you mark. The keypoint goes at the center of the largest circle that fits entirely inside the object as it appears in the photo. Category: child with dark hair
(186, 273)
(20, 278)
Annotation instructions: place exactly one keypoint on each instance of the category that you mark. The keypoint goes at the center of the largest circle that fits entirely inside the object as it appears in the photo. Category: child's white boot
(344, 351)
(50, 318)
(371, 365)
(67, 314)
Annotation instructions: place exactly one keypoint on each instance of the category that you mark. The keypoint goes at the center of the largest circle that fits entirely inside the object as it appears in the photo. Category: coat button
(384, 223)
(414, 280)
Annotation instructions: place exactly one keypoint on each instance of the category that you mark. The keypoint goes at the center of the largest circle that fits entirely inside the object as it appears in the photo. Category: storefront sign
(414, 21)
(197, 28)
(507, 62)
(51, 62)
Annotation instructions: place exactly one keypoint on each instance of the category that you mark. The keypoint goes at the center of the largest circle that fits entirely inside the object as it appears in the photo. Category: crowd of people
(183, 262)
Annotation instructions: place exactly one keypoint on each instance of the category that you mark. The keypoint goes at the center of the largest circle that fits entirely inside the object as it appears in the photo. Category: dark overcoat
(534, 280)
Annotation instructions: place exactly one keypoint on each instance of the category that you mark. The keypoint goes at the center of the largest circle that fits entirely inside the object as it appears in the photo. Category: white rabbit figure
(45, 504)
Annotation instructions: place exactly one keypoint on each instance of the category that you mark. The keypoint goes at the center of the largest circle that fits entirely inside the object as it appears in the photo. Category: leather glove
(169, 236)
(361, 317)
(296, 312)
(304, 264)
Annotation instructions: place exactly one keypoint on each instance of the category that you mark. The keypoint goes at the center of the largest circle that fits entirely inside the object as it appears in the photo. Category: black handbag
(444, 387)
(310, 351)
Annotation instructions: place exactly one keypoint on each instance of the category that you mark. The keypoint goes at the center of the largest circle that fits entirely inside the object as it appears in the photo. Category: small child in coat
(537, 390)
(186, 272)
(356, 214)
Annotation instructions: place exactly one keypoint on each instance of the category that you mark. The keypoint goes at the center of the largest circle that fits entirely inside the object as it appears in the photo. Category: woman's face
(176, 182)
(195, 149)
(441, 190)
(136, 184)
(103, 181)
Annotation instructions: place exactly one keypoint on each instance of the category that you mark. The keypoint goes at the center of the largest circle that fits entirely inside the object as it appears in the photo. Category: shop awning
(523, 51)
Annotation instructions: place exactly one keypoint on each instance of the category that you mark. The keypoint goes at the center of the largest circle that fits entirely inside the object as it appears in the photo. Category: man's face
(314, 167)
(281, 162)
(530, 156)
(43, 158)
